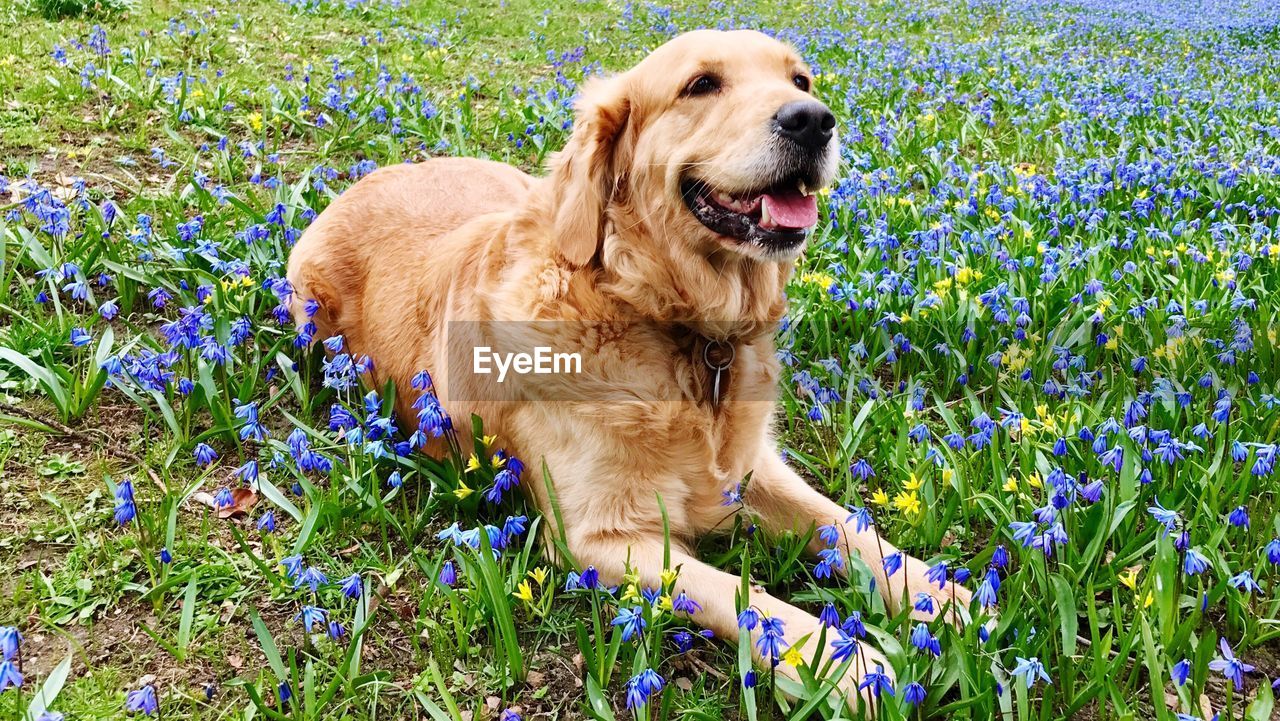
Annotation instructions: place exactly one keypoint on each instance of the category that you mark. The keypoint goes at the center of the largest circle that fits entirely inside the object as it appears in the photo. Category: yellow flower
(524, 592)
(792, 657)
(473, 464)
(539, 575)
(880, 498)
(1011, 485)
(908, 503)
(254, 121)
(489, 440)
(822, 280)
(631, 594)
(913, 483)
(462, 491)
(1146, 602)
(498, 461)
(1130, 577)
(947, 475)
(1033, 480)
(668, 577)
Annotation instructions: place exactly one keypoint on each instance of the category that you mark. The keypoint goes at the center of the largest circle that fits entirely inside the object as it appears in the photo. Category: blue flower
(1244, 582)
(1272, 551)
(631, 620)
(336, 630)
(448, 574)
(988, 589)
(937, 574)
(914, 694)
(1000, 557)
(1168, 519)
(1181, 670)
(925, 641)
(1239, 517)
(892, 563)
(223, 498)
(10, 676)
(267, 524)
(878, 681)
(204, 454)
(923, 603)
(142, 701)
(312, 577)
(829, 617)
(829, 534)
(732, 496)
(351, 586)
(1030, 670)
(1229, 666)
(292, 565)
(748, 619)
(853, 625)
(10, 641)
(843, 647)
(80, 337)
(1194, 564)
(683, 604)
(861, 518)
(771, 642)
(311, 616)
(643, 686)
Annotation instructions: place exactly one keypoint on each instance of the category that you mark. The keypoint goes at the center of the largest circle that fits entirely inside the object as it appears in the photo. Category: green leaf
(1263, 706)
(268, 646)
(188, 615)
(598, 703)
(50, 689)
(52, 386)
(1065, 602)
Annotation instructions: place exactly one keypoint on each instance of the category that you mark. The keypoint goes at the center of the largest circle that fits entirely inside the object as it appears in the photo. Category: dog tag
(717, 356)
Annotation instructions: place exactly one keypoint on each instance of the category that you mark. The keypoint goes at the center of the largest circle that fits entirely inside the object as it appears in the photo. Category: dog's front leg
(716, 592)
(784, 502)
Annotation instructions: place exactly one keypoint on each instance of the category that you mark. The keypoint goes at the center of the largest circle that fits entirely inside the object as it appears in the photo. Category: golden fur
(605, 237)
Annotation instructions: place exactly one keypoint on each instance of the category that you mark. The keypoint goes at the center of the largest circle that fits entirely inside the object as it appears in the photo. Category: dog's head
(712, 145)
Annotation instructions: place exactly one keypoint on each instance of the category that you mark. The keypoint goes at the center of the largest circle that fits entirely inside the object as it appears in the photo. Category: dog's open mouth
(777, 217)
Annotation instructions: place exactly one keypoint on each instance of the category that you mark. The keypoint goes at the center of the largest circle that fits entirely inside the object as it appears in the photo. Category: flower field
(1032, 341)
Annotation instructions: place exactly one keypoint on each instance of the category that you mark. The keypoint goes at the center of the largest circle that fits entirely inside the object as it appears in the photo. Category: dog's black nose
(806, 123)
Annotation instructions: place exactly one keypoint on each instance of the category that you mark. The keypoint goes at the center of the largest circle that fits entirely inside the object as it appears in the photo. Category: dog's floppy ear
(586, 171)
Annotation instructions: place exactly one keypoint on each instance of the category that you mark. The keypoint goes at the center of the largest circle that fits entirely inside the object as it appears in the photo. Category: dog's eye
(801, 81)
(702, 85)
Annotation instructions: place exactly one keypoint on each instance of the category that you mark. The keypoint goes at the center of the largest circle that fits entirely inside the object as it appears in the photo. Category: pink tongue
(792, 210)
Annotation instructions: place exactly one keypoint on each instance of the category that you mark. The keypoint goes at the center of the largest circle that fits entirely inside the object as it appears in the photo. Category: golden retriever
(667, 227)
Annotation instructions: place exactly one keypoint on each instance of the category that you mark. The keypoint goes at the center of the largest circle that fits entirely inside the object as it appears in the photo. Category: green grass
(972, 132)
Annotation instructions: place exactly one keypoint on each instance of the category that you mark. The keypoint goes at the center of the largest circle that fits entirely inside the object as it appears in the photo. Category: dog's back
(359, 241)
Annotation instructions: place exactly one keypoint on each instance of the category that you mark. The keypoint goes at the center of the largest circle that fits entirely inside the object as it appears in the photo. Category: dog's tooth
(765, 220)
(804, 189)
